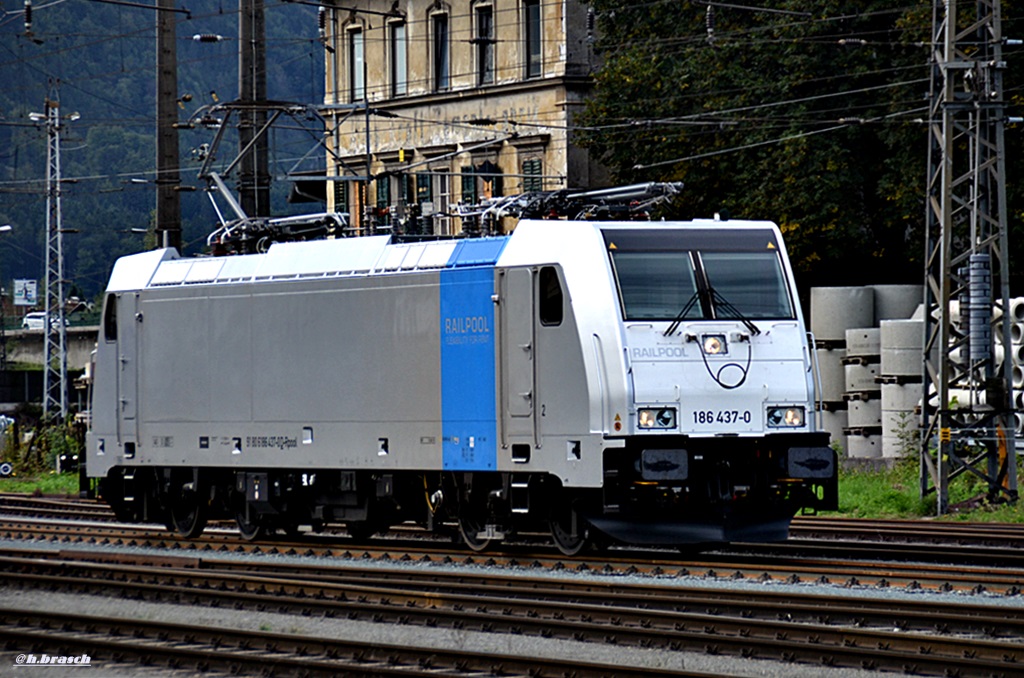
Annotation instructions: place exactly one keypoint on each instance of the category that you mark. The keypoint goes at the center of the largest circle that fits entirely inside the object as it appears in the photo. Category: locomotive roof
(302, 260)
(532, 242)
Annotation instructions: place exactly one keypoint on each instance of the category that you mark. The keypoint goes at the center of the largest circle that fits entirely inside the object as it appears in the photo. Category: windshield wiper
(721, 302)
(682, 314)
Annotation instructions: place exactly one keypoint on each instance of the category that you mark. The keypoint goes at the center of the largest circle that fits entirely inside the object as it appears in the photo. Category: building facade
(435, 106)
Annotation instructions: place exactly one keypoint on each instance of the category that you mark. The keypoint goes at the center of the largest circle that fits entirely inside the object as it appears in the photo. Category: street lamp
(6, 228)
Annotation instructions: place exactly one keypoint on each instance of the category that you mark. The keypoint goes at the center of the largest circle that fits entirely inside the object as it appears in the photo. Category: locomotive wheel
(188, 512)
(251, 529)
(470, 528)
(561, 525)
(361, 530)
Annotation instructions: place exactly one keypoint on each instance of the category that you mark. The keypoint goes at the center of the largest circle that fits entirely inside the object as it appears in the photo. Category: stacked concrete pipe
(853, 356)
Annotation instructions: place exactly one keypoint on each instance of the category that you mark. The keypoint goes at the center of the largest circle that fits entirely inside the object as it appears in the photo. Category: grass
(895, 493)
(61, 484)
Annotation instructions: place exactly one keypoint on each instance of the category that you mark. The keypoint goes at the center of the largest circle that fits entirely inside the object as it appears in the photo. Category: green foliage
(51, 483)
(34, 447)
(99, 59)
(814, 120)
(894, 492)
(887, 493)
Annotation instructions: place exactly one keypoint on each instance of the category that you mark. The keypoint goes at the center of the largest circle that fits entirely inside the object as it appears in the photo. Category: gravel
(523, 645)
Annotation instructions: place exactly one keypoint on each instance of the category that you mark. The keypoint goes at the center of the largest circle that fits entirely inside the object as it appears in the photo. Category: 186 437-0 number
(705, 417)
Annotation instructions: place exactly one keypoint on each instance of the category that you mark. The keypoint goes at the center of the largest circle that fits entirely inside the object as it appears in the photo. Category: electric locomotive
(649, 383)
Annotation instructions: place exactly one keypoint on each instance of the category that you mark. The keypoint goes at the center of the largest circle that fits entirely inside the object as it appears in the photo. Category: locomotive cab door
(128, 326)
(517, 356)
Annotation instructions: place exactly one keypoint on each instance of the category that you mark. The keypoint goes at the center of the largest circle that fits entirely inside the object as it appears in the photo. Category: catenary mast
(967, 407)
(55, 372)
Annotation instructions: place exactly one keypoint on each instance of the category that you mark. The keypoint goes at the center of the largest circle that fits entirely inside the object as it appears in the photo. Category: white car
(36, 319)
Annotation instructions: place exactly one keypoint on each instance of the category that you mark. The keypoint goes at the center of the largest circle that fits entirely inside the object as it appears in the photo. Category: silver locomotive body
(649, 383)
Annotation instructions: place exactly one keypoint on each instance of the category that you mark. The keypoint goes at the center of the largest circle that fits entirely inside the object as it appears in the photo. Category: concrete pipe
(900, 397)
(896, 301)
(961, 354)
(833, 376)
(900, 434)
(835, 421)
(865, 413)
(1017, 309)
(864, 342)
(902, 347)
(864, 446)
(860, 378)
(837, 309)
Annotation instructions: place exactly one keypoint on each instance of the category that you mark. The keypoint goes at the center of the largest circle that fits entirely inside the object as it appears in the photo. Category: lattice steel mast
(967, 413)
(55, 375)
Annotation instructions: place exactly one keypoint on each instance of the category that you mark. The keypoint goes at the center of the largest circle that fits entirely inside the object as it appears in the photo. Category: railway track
(924, 637)
(204, 648)
(972, 570)
(525, 590)
(54, 507)
(804, 530)
(1007, 535)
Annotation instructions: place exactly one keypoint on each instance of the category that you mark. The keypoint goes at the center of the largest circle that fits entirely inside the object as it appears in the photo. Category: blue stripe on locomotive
(469, 426)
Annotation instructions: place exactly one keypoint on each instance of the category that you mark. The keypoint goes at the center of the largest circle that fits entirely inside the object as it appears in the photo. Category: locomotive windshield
(699, 274)
(656, 285)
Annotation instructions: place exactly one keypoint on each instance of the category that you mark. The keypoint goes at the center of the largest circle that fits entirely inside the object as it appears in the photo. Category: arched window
(483, 40)
(441, 58)
(532, 38)
(399, 58)
(356, 64)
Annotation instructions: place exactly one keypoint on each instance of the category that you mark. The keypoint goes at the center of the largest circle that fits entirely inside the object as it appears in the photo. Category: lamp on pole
(6, 228)
(55, 374)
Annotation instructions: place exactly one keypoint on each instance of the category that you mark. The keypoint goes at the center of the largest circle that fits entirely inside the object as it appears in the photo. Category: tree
(814, 120)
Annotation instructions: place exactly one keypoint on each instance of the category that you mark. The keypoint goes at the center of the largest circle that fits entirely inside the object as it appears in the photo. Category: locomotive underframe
(677, 489)
(718, 489)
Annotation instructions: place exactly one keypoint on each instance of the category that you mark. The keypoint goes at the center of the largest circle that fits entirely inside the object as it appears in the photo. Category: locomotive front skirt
(641, 382)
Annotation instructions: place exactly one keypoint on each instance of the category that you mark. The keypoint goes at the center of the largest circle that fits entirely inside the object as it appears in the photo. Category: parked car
(36, 319)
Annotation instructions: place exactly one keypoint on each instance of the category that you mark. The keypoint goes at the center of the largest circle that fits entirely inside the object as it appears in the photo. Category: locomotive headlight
(714, 344)
(656, 417)
(786, 417)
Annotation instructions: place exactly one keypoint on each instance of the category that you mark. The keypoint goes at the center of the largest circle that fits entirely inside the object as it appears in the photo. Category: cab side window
(110, 318)
(550, 296)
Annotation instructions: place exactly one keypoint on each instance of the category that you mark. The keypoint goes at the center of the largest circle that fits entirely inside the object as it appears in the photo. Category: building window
(341, 196)
(399, 60)
(356, 65)
(383, 211)
(469, 193)
(532, 37)
(484, 41)
(335, 48)
(439, 22)
(532, 179)
(491, 185)
(424, 189)
(441, 196)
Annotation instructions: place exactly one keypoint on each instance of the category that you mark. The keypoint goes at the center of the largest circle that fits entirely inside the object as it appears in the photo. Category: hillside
(99, 59)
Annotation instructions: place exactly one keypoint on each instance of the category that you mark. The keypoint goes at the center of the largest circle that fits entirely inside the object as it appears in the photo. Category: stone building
(449, 103)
